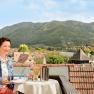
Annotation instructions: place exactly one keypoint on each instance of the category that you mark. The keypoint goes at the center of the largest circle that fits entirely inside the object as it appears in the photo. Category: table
(39, 87)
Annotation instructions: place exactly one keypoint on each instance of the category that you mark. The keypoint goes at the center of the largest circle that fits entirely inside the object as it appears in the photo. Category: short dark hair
(3, 39)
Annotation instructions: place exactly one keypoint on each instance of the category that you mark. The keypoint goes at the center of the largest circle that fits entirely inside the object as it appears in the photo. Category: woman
(6, 67)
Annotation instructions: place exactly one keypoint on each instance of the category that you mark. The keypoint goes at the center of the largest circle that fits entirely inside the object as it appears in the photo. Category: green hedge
(55, 59)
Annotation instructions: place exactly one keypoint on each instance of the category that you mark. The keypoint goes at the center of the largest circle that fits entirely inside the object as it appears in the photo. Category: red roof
(82, 78)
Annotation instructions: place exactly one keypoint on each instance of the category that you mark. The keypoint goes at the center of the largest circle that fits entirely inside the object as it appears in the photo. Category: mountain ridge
(53, 34)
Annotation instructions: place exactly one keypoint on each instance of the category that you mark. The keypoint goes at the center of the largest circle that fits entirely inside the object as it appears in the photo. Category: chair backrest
(68, 87)
(65, 85)
(56, 77)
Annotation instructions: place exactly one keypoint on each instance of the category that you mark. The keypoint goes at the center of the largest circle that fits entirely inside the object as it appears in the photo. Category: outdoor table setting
(37, 86)
(32, 84)
(42, 87)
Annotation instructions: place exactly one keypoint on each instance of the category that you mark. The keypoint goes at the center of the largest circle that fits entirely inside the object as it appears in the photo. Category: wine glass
(35, 72)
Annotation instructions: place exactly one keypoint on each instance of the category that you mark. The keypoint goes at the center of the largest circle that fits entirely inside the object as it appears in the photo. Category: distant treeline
(51, 35)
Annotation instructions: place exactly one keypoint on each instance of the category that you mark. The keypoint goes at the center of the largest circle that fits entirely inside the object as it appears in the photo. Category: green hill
(54, 34)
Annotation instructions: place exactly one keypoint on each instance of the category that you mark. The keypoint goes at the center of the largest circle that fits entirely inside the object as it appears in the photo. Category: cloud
(79, 4)
(42, 5)
(50, 3)
(32, 7)
(45, 10)
(84, 17)
(63, 16)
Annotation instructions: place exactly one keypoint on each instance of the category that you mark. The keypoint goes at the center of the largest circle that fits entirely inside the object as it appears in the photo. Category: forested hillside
(51, 34)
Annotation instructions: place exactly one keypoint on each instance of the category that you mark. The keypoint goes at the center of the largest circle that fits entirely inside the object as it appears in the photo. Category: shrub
(23, 48)
(55, 59)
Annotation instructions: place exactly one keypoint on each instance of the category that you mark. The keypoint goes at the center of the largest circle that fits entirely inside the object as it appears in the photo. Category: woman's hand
(5, 82)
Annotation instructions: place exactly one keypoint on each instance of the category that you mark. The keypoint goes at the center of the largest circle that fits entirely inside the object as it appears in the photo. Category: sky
(16, 11)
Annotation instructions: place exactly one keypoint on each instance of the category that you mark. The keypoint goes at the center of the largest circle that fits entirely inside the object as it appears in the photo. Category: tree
(23, 48)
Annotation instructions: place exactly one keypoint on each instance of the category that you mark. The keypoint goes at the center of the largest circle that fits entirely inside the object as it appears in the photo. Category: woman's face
(5, 47)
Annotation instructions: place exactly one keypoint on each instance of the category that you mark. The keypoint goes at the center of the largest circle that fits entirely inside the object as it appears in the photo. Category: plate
(18, 81)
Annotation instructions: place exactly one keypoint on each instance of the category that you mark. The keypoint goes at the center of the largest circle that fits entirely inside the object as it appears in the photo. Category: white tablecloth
(39, 87)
